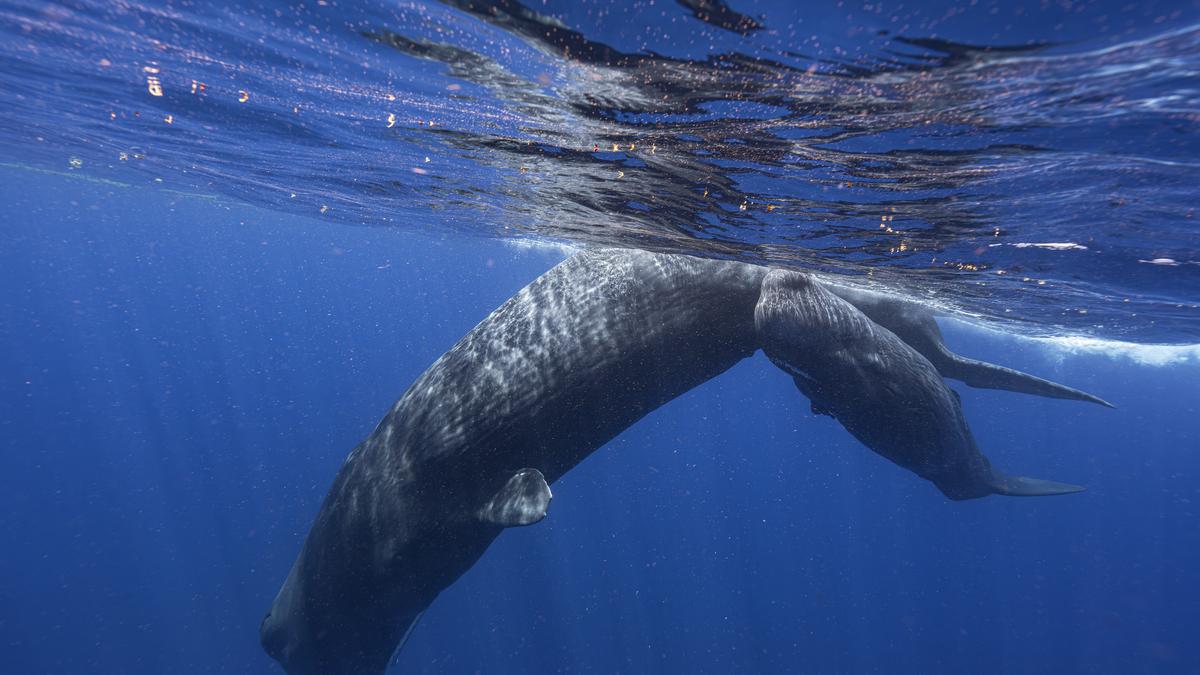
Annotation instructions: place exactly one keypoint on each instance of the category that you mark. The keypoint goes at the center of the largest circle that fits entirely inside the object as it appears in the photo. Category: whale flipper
(1019, 486)
(984, 375)
(522, 501)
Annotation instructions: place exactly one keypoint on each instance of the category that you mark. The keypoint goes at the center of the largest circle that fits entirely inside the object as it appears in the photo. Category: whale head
(309, 636)
(879, 387)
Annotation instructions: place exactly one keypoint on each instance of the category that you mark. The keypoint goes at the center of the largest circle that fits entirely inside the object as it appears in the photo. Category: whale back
(557, 371)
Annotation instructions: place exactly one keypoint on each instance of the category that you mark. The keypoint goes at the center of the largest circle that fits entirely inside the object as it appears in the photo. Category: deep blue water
(182, 379)
(185, 363)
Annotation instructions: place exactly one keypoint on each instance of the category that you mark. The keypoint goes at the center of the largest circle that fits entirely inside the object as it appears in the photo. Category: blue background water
(182, 378)
(182, 374)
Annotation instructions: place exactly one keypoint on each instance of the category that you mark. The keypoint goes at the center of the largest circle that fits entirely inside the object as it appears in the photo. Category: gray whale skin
(560, 369)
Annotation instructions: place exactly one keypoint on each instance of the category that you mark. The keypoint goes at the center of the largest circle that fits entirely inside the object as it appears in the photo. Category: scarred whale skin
(557, 371)
(541, 382)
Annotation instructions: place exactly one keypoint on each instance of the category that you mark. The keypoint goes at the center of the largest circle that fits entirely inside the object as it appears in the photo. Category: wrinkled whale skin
(530, 386)
(557, 371)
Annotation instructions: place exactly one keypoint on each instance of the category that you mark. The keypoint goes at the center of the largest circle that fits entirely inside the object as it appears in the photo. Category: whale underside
(568, 363)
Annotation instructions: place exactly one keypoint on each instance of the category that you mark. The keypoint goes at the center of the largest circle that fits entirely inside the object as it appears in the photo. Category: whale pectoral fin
(522, 501)
(983, 375)
(1019, 486)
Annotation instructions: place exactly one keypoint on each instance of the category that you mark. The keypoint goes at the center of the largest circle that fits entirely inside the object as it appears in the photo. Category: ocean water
(234, 233)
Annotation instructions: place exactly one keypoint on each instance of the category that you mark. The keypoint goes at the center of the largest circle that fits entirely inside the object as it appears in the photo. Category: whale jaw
(990, 481)
(1020, 486)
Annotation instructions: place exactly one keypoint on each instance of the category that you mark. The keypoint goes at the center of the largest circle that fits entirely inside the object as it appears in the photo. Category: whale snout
(284, 636)
(283, 645)
(271, 637)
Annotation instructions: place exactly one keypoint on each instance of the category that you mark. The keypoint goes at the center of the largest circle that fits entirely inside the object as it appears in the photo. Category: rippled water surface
(1033, 164)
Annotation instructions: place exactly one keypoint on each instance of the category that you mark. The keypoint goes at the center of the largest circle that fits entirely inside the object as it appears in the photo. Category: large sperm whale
(557, 371)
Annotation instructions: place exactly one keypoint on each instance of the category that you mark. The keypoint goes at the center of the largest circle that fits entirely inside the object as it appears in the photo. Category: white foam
(1062, 346)
(560, 248)
(1047, 245)
(1146, 355)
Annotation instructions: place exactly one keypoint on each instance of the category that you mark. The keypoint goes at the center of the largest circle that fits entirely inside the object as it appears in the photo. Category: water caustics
(1046, 185)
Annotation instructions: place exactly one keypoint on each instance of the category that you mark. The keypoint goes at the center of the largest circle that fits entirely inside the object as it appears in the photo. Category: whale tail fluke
(983, 375)
(1019, 486)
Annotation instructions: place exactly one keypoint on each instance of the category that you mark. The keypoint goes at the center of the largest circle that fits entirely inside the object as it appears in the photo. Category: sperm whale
(564, 366)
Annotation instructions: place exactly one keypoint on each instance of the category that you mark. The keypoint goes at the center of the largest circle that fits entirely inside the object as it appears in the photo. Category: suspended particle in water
(243, 96)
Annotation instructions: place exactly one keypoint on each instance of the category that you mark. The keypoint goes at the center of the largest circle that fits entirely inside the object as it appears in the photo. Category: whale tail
(1019, 486)
(983, 375)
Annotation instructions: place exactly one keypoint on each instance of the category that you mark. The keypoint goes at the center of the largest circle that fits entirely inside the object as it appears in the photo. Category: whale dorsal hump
(522, 501)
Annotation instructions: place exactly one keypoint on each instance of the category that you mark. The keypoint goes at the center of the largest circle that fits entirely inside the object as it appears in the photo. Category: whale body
(557, 371)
